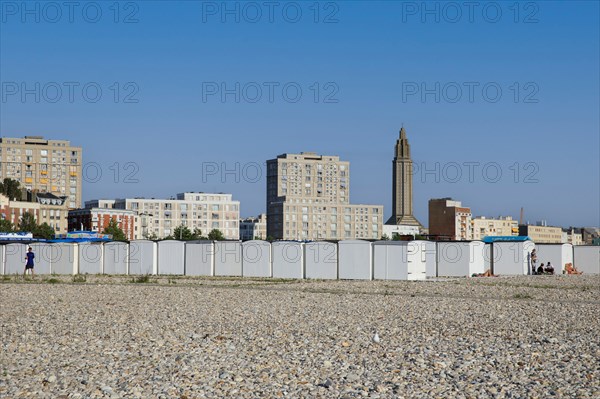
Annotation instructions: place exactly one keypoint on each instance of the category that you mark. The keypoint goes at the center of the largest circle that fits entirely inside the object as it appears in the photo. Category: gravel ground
(522, 337)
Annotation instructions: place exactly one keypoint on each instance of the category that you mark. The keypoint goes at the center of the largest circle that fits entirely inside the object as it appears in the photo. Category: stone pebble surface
(179, 337)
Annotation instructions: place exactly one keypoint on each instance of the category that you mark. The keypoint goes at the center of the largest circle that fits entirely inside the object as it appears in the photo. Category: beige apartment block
(574, 238)
(46, 166)
(542, 234)
(502, 226)
(160, 217)
(308, 198)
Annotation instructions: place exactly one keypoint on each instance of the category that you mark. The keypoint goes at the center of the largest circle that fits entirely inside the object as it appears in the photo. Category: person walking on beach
(29, 257)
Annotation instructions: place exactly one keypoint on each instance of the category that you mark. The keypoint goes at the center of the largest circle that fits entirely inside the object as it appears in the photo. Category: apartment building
(308, 198)
(45, 208)
(501, 226)
(449, 219)
(97, 219)
(542, 233)
(590, 235)
(160, 217)
(572, 236)
(46, 166)
(254, 228)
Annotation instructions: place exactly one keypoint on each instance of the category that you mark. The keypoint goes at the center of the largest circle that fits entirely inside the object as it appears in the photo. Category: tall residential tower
(308, 198)
(402, 187)
(43, 166)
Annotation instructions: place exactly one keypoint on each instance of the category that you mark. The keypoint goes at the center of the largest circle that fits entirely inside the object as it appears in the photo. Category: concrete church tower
(402, 185)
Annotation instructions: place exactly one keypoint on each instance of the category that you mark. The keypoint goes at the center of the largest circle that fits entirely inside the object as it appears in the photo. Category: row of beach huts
(345, 260)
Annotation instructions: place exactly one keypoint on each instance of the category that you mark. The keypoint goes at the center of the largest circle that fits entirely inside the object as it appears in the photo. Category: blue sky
(496, 89)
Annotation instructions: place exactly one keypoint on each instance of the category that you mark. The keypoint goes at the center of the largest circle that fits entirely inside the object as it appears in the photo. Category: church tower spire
(402, 194)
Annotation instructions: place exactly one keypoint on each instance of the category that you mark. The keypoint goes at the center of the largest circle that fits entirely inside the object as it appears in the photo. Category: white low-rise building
(158, 218)
(402, 230)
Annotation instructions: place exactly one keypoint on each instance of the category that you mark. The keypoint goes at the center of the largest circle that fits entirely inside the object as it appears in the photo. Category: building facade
(308, 198)
(541, 233)
(572, 236)
(97, 219)
(402, 185)
(254, 228)
(502, 226)
(45, 208)
(402, 230)
(47, 166)
(590, 235)
(450, 220)
(158, 218)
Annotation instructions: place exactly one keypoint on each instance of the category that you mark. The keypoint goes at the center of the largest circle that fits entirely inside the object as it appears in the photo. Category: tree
(216, 235)
(12, 189)
(27, 224)
(396, 237)
(6, 226)
(385, 237)
(185, 234)
(44, 231)
(114, 229)
(151, 237)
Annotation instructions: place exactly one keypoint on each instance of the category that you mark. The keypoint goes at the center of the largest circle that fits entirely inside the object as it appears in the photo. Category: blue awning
(490, 239)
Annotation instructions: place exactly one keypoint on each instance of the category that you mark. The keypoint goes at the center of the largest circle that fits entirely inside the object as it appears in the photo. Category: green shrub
(141, 279)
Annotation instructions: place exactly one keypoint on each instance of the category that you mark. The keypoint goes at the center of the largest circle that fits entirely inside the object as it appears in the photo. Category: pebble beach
(178, 337)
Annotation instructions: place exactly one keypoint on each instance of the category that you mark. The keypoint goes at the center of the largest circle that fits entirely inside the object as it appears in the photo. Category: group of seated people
(548, 269)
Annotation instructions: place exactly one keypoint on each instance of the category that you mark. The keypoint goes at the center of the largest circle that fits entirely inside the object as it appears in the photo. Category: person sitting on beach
(570, 269)
(487, 273)
(549, 269)
(540, 269)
